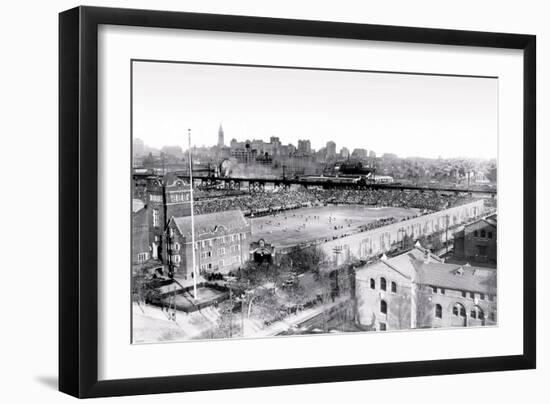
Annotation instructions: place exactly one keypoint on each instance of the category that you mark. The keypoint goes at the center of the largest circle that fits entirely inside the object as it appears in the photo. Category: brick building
(478, 241)
(417, 289)
(221, 243)
(159, 198)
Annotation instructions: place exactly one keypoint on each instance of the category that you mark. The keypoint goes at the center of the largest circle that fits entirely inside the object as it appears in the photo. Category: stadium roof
(211, 224)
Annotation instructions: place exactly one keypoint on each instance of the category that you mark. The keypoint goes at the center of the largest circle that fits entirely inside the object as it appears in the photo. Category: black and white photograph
(272, 201)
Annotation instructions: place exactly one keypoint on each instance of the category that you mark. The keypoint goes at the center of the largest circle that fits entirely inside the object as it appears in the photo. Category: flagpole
(195, 296)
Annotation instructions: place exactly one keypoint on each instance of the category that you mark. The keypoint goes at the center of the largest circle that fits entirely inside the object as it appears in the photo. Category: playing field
(325, 222)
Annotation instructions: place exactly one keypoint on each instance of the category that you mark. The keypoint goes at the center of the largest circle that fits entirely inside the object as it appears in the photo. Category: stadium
(299, 216)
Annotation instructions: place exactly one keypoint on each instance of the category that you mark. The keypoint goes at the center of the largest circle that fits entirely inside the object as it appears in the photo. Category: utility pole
(195, 296)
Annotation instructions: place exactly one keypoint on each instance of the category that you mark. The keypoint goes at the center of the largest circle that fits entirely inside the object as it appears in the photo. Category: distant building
(244, 155)
(372, 154)
(264, 159)
(331, 150)
(359, 154)
(174, 151)
(478, 241)
(221, 141)
(344, 153)
(138, 147)
(221, 243)
(304, 146)
(416, 289)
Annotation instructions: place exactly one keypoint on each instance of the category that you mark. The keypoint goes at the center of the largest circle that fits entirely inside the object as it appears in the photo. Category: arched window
(394, 287)
(372, 284)
(459, 309)
(477, 312)
(483, 233)
(475, 233)
(438, 311)
(382, 283)
(383, 307)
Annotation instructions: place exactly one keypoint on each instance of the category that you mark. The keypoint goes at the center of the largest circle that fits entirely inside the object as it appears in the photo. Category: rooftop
(207, 225)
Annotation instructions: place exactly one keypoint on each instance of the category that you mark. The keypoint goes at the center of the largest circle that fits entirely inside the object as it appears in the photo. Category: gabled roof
(415, 266)
(403, 263)
(457, 277)
(210, 224)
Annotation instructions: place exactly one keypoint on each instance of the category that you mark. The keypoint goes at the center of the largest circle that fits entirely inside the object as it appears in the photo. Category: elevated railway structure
(260, 184)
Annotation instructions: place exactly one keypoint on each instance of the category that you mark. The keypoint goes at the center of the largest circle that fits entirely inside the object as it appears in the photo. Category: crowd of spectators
(265, 202)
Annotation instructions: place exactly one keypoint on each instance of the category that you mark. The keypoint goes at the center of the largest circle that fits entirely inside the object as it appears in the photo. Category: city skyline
(311, 107)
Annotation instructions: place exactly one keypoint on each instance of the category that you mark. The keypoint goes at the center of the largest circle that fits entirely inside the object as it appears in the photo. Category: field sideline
(292, 227)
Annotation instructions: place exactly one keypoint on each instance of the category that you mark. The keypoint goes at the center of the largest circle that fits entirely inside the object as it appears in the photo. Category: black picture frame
(78, 201)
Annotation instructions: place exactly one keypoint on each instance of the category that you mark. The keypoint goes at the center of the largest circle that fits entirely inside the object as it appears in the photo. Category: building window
(156, 218)
(490, 234)
(483, 234)
(442, 291)
(394, 287)
(438, 311)
(459, 309)
(383, 327)
(472, 295)
(221, 251)
(222, 263)
(372, 284)
(382, 283)
(491, 298)
(142, 257)
(476, 233)
(176, 246)
(481, 296)
(463, 294)
(434, 289)
(477, 313)
(383, 307)
(493, 316)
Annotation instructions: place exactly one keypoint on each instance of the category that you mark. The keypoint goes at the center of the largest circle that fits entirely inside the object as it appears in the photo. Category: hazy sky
(410, 115)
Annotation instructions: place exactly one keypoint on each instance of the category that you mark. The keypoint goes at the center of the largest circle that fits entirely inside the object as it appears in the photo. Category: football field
(292, 227)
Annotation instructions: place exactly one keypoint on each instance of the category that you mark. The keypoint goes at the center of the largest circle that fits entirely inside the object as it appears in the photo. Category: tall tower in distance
(220, 137)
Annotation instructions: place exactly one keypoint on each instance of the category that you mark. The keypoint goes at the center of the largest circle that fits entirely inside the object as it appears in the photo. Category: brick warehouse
(478, 241)
(221, 243)
(417, 289)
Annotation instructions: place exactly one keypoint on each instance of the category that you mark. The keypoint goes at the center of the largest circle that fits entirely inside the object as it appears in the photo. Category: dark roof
(457, 277)
(218, 223)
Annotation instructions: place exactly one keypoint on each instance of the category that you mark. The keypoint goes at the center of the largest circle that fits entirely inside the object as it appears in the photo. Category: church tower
(220, 137)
